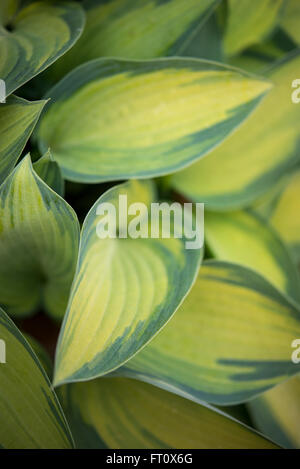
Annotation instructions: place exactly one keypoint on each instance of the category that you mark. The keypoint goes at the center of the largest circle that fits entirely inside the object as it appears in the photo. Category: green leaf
(277, 413)
(290, 20)
(124, 291)
(31, 416)
(245, 238)
(17, 120)
(41, 353)
(249, 21)
(207, 42)
(123, 413)
(229, 341)
(38, 35)
(50, 172)
(39, 234)
(8, 9)
(251, 160)
(136, 29)
(113, 119)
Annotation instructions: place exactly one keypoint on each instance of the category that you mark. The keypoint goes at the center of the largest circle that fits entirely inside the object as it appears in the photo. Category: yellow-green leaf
(246, 238)
(50, 172)
(31, 416)
(113, 119)
(290, 20)
(122, 413)
(38, 35)
(251, 160)
(229, 341)
(39, 235)
(285, 216)
(17, 120)
(249, 21)
(135, 29)
(277, 413)
(124, 291)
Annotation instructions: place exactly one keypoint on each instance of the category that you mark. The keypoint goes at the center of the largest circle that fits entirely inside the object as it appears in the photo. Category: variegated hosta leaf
(17, 120)
(250, 161)
(39, 234)
(113, 119)
(249, 21)
(124, 413)
(285, 215)
(291, 18)
(136, 29)
(124, 291)
(50, 172)
(247, 239)
(229, 341)
(39, 34)
(277, 413)
(31, 416)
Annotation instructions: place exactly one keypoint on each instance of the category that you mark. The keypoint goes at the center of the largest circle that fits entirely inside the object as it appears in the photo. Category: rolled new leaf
(251, 160)
(247, 239)
(34, 37)
(229, 341)
(249, 22)
(113, 119)
(125, 288)
(39, 239)
(135, 29)
(277, 413)
(126, 414)
(31, 416)
(50, 172)
(17, 120)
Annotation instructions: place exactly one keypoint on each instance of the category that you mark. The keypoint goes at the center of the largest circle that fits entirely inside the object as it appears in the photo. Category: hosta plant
(138, 341)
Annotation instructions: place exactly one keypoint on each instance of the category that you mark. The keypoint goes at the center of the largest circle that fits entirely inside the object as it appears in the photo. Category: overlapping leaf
(207, 42)
(30, 413)
(124, 291)
(50, 172)
(123, 413)
(250, 161)
(291, 18)
(114, 119)
(249, 21)
(41, 354)
(38, 35)
(260, 57)
(246, 238)
(136, 29)
(230, 340)
(39, 234)
(277, 413)
(17, 120)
